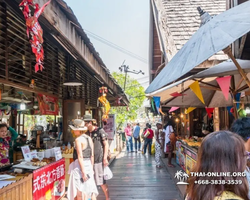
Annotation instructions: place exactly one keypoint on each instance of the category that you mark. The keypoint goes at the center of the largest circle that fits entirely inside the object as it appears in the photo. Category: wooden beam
(237, 87)
(25, 88)
(241, 89)
(242, 44)
(228, 51)
(210, 87)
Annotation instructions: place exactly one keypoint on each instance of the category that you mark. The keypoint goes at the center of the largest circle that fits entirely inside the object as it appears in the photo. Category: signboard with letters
(49, 181)
(190, 163)
(47, 105)
(26, 153)
(109, 128)
(58, 153)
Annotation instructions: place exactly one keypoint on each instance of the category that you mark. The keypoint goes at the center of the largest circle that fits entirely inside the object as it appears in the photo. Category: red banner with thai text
(49, 181)
(47, 105)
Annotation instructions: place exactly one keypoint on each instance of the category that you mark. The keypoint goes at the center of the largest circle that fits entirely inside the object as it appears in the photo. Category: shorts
(99, 174)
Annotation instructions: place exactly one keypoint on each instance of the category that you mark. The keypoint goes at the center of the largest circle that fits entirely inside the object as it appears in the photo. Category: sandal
(171, 165)
(159, 167)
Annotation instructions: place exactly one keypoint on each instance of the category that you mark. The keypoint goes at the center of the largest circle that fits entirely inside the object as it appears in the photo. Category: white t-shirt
(168, 131)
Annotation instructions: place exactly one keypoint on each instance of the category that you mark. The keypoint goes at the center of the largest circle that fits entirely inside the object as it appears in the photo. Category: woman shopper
(221, 151)
(158, 144)
(169, 142)
(81, 182)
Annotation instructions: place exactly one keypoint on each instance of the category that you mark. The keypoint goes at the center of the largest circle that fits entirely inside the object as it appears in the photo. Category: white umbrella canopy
(215, 34)
(223, 69)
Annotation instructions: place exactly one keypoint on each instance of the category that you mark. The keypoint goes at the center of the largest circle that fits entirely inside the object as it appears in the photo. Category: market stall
(16, 187)
(34, 179)
(187, 152)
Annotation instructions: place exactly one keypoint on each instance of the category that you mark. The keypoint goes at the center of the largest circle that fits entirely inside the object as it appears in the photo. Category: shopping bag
(153, 149)
(146, 134)
(107, 173)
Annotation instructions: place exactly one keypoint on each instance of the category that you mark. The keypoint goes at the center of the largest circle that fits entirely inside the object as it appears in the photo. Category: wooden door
(70, 112)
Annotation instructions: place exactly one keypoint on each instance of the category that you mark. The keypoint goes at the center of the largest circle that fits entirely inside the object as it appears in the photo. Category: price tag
(26, 153)
(33, 154)
(58, 154)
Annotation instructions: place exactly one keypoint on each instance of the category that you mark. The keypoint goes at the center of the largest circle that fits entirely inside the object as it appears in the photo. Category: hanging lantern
(105, 103)
(34, 30)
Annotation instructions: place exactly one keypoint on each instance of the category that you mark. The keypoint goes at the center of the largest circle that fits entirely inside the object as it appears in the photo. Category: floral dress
(4, 150)
(5, 146)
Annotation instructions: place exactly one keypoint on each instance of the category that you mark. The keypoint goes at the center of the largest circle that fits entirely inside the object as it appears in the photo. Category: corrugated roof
(179, 19)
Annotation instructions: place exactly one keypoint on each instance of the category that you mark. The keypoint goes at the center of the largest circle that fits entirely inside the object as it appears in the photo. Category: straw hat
(78, 125)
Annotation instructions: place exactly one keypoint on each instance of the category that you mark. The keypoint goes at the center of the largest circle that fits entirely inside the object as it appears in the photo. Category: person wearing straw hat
(101, 148)
(81, 182)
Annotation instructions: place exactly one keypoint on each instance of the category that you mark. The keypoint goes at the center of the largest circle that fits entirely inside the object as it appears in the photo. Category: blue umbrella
(215, 34)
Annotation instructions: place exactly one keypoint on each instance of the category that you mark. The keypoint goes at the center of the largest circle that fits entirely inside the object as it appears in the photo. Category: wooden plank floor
(136, 177)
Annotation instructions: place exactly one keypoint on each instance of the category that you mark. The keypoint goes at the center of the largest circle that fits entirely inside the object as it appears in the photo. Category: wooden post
(228, 51)
(38, 139)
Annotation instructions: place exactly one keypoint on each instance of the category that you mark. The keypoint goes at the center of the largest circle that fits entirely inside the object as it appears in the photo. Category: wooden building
(68, 53)
(172, 23)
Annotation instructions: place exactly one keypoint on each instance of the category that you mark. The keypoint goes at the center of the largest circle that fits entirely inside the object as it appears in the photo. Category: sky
(122, 22)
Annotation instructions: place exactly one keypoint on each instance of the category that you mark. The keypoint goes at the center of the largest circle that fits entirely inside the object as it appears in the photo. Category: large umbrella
(215, 34)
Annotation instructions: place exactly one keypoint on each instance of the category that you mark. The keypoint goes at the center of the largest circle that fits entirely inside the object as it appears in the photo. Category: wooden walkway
(136, 177)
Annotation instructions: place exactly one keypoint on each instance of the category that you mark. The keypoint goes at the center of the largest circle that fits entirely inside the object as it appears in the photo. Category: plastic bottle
(69, 146)
(63, 147)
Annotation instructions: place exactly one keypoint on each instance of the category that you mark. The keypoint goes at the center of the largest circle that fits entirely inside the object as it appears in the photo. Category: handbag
(169, 147)
(147, 133)
(172, 137)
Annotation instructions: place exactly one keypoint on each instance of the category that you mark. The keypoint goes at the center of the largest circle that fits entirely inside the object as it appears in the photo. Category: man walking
(129, 140)
(101, 147)
(136, 135)
(148, 135)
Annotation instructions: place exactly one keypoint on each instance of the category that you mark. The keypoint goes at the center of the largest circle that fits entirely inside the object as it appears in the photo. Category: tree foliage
(136, 96)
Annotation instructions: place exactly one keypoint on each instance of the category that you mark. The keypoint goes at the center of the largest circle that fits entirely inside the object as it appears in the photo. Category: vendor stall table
(19, 190)
(186, 156)
(49, 181)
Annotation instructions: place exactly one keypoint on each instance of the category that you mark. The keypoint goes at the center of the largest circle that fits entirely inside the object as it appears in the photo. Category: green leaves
(136, 96)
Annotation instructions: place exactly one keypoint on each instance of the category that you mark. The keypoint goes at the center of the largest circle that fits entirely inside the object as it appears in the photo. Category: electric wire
(116, 46)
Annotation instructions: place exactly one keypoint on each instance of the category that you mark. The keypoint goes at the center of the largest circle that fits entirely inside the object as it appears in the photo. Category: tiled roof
(179, 19)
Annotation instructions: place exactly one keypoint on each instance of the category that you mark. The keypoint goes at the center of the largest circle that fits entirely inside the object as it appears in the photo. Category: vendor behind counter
(5, 143)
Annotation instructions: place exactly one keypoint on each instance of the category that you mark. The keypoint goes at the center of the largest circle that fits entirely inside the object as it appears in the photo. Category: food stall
(187, 152)
(35, 179)
(36, 171)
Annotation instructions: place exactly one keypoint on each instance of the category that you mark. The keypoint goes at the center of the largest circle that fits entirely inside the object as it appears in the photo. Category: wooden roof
(178, 20)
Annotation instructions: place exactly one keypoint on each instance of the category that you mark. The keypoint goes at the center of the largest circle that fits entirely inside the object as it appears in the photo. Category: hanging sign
(47, 105)
(109, 127)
